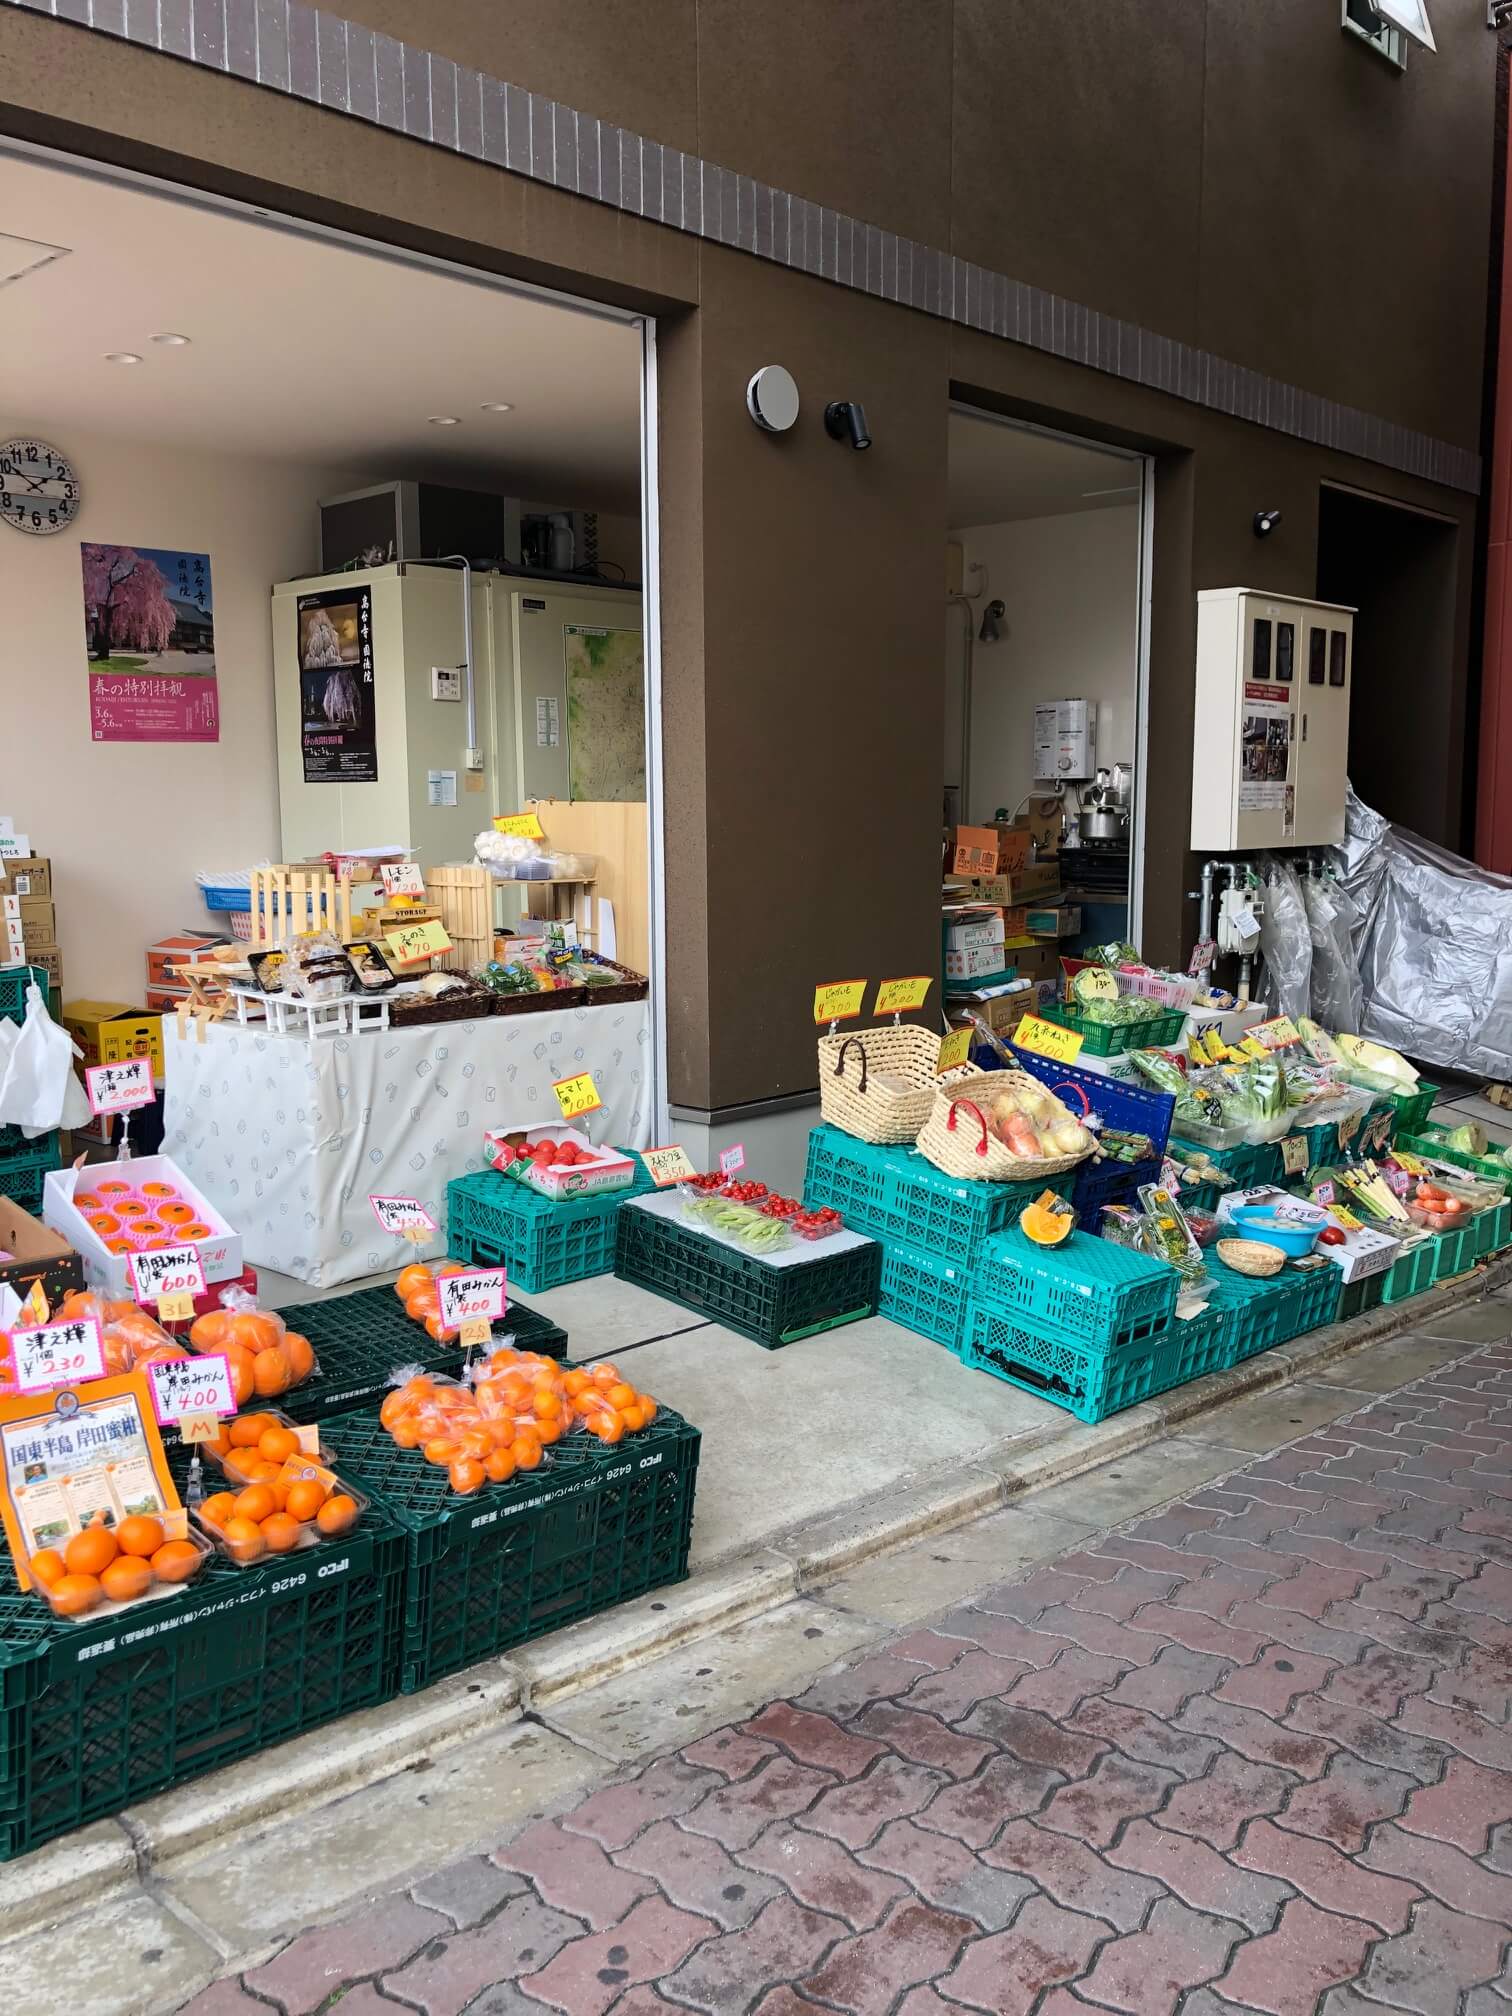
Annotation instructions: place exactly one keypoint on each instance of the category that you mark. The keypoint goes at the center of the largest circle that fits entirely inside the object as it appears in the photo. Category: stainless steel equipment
(1105, 806)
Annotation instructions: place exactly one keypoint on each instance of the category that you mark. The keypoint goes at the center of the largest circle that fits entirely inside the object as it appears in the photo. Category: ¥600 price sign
(170, 1278)
(119, 1088)
(183, 1389)
(472, 1303)
(58, 1354)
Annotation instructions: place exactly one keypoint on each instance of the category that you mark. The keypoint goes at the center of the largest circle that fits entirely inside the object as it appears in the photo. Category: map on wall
(606, 714)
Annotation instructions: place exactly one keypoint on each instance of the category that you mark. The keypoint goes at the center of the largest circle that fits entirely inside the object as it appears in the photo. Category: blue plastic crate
(226, 898)
(923, 1293)
(1135, 1109)
(1108, 1182)
(1090, 1383)
(493, 1218)
(1090, 1289)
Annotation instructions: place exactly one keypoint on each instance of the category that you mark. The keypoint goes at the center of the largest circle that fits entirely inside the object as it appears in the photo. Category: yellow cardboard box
(108, 1032)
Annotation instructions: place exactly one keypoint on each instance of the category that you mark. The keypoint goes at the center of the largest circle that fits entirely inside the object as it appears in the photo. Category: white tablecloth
(288, 1138)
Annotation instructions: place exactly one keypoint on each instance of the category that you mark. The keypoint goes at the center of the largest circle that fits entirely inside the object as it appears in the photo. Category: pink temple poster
(149, 626)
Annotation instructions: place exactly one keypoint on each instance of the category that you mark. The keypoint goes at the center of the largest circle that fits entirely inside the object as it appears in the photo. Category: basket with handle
(957, 1139)
(880, 1086)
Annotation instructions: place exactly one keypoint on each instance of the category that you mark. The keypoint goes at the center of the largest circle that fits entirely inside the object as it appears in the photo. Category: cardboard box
(187, 948)
(165, 1000)
(37, 1254)
(1062, 920)
(972, 933)
(82, 1020)
(220, 1255)
(31, 875)
(1037, 961)
(1366, 1252)
(108, 1032)
(973, 850)
(50, 959)
(1002, 1009)
(1014, 842)
(38, 919)
(971, 963)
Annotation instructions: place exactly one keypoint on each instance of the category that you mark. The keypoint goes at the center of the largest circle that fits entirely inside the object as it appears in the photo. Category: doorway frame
(645, 325)
(1142, 615)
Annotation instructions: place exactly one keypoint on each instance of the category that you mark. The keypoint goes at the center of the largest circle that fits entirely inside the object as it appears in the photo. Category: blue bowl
(1258, 1221)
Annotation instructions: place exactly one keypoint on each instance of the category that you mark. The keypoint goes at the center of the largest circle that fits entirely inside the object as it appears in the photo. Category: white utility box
(1270, 743)
(1065, 740)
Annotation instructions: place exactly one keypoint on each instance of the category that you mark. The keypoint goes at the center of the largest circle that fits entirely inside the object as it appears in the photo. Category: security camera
(847, 418)
(1265, 522)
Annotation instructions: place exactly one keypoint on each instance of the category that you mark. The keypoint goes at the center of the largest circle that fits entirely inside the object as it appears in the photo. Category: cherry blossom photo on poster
(149, 629)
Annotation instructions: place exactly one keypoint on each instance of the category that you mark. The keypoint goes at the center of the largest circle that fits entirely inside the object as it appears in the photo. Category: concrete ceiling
(999, 473)
(302, 350)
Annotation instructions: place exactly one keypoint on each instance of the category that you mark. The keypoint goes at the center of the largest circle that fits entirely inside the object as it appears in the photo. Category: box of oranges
(112, 1209)
(278, 1492)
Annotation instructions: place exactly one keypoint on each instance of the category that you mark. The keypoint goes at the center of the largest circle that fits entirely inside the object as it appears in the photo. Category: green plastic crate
(14, 981)
(1493, 1229)
(1358, 1296)
(895, 1195)
(594, 1526)
(1250, 1163)
(1431, 1140)
(99, 1715)
(1412, 1108)
(1454, 1252)
(923, 1293)
(1088, 1288)
(772, 1305)
(1112, 1039)
(359, 1340)
(23, 1169)
(1088, 1382)
(1411, 1272)
(494, 1219)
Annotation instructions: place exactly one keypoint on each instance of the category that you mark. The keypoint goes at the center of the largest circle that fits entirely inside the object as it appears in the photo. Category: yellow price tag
(1095, 983)
(668, 1165)
(417, 1235)
(1345, 1217)
(1251, 1048)
(523, 825)
(1048, 1039)
(954, 1050)
(175, 1308)
(839, 1000)
(577, 1095)
(1413, 1164)
(198, 1427)
(417, 941)
(1277, 1033)
(898, 997)
(478, 1330)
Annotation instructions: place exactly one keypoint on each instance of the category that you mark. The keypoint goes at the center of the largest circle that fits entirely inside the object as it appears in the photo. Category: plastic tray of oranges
(278, 1496)
(104, 1569)
(266, 1357)
(140, 1218)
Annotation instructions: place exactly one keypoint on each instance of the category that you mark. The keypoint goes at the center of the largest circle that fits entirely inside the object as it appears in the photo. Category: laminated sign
(120, 1088)
(57, 1354)
(838, 1000)
(406, 1217)
(473, 1302)
(577, 1095)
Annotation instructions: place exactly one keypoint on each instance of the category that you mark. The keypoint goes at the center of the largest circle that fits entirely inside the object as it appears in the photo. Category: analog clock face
(39, 491)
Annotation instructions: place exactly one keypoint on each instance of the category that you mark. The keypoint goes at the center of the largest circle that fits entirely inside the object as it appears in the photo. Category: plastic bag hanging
(1285, 941)
(39, 1090)
(1335, 982)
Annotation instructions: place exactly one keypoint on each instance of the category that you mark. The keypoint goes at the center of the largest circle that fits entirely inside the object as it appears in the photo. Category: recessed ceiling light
(122, 357)
(444, 420)
(496, 406)
(172, 339)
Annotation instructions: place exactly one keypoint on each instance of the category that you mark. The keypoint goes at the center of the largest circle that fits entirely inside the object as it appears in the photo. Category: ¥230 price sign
(58, 1354)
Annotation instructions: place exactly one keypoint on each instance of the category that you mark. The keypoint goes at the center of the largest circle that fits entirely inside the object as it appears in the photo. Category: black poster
(339, 726)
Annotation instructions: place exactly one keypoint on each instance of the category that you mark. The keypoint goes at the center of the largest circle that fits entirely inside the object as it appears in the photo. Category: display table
(289, 1137)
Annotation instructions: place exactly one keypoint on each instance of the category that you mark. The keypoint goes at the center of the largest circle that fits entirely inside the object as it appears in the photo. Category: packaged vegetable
(1360, 1053)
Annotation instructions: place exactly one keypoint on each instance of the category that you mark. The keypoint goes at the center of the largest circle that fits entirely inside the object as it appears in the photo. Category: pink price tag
(172, 1270)
(731, 1159)
(475, 1297)
(57, 1354)
(402, 1215)
(120, 1088)
(183, 1387)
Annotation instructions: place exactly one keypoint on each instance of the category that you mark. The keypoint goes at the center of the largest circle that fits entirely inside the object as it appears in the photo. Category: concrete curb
(331, 1763)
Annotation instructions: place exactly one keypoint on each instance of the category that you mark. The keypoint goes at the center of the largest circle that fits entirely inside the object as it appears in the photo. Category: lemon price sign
(519, 825)
(402, 878)
(1048, 1039)
(577, 1095)
(954, 1050)
(838, 1000)
(900, 997)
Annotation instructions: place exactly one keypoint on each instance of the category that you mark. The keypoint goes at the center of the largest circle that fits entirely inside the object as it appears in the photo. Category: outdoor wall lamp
(846, 419)
(1265, 522)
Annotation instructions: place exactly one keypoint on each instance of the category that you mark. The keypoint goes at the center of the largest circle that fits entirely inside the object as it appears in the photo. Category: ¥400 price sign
(473, 1302)
(58, 1354)
(186, 1389)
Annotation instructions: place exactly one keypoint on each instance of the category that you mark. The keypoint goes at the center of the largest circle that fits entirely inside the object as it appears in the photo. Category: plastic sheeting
(1336, 990)
(1285, 941)
(1434, 944)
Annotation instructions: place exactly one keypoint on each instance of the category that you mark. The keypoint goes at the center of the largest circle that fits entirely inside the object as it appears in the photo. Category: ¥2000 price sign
(58, 1354)
(183, 1389)
(119, 1088)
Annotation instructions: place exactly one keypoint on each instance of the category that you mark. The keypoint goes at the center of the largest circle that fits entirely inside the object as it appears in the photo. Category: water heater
(1065, 740)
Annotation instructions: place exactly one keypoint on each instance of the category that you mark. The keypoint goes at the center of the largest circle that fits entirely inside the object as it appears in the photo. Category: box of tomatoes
(558, 1162)
(111, 1210)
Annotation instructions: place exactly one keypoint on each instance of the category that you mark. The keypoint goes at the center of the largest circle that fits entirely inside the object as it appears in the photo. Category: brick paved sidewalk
(1253, 1753)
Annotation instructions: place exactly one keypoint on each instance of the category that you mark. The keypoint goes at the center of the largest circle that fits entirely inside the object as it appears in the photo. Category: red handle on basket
(840, 1060)
(1067, 1086)
(955, 1107)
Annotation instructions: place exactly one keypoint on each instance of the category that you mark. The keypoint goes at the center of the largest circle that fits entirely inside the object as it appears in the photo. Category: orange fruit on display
(127, 1577)
(465, 1474)
(160, 1354)
(306, 1496)
(499, 1466)
(281, 1532)
(300, 1353)
(75, 1594)
(244, 1540)
(176, 1561)
(140, 1534)
(114, 1187)
(254, 1331)
(237, 1465)
(338, 1513)
(219, 1508)
(248, 1429)
(255, 1503)
(173, 1214)
(193, 1232)
(105, 1223)
(243, 1383)
(90, 1552)
(161, 1193)
(270, 1373)
(412, 1280)
(210, 1331)
(277, 1445)
(48, 1567)
(86, 1201)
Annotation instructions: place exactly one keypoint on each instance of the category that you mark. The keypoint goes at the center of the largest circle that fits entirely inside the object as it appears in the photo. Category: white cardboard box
(220, 1255)
(976, 932)
(609, 1170)
(1363, 1253)
(976, 959)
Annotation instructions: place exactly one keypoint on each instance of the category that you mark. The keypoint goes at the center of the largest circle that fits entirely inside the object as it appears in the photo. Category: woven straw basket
(957, 1139)
(881, 1086)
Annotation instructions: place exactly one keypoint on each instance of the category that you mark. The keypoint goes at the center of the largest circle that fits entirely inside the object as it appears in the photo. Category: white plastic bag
(1285, 941)
(1335, 978)
(39, 1090)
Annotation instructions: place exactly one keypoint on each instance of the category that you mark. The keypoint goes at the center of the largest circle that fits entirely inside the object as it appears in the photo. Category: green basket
(1411, 1272)
(894, 1194)
(360, 1340)
(1112, 1039)
(772, 1305)
(1250, 1163)
(1455, 1252)
(1087, 1288)
(102, 1714)
(1358, 1296)
(1431, 1141)
(1088, 1382)
(923, 1293)
(24, 1167)
(493, 1218)
(1412, 1108)
(14, 982)
(594, 1526)
(1493, 1229)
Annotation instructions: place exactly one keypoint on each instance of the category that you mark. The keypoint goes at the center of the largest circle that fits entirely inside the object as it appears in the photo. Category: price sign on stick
(472, 1303)
(120, 1088)
(954, 1050)
(171, 1278)
(406, 1217)
(187, 1389)
(839, 1000)
(732, 1159)
(520, 825)
(577, 1096)
(1294, 1154)
(1349, 1126)
(668, 1165)
(413, 942)
(58, 1354)
(402, 878)
(1048, 1039)
(900, 997)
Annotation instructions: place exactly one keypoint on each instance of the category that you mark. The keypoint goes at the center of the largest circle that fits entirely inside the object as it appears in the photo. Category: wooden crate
(287, 901)
(464, 900)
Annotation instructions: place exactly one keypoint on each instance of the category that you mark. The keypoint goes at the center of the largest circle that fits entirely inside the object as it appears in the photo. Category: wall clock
(39, 491)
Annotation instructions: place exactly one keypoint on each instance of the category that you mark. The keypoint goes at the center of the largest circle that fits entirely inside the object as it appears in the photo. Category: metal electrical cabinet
(1270, 745)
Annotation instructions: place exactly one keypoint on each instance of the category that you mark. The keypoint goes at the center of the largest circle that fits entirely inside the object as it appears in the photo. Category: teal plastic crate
(1455, 1252)
(1432, 1141)
(24, 1167)
(493, 1218)
(849, 1176)
(1088, 1382)
(1262, 1309)
(923, 1293)
(14, 982)
(1250, 1163)
(1493, 1229)
(1087, 1288)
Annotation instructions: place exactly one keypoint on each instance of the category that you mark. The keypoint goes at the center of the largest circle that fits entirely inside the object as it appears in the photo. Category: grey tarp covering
(1285, 940)
(1435, 947)
(1336, 991)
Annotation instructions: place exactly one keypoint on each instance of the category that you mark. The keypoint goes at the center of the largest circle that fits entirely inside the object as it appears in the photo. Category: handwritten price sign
(577, 1096)
(171, 1278)
(668, 1165)
(119, 1088)
(185, 1388)
(839, 1000)
(520, 825)
(1048, 1039)
(405, 1217)
(58, 1354)
(402, 878)
(472, 1303)
(732, 1159)
(899, 997)
(954, 1050)
(413, 942)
